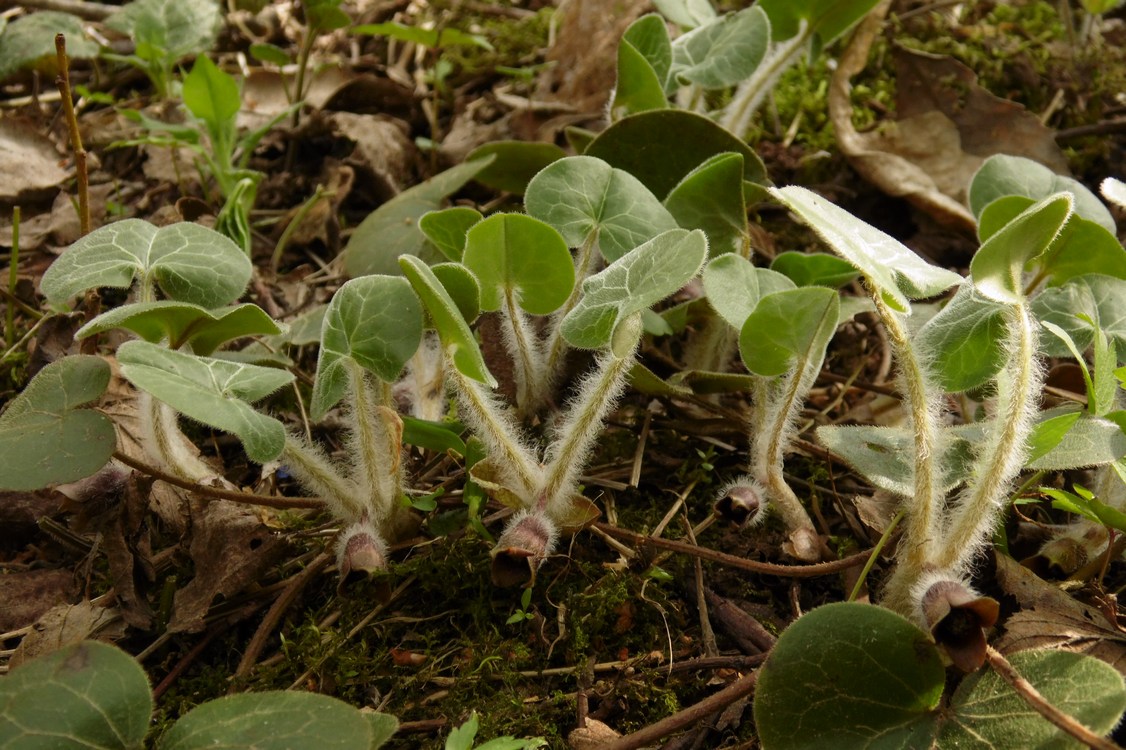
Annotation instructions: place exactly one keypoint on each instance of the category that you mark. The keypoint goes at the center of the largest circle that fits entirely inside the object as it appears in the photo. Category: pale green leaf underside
(581, 195)
(636, 281)
(1002, 175)
(686, 13)
(734, 287)
(30, 40)
(723, 52)
(998, 266)
(45, 437)
(894, 269)
(86, 695)
(189, 262)
(180, 323)
(214, 392)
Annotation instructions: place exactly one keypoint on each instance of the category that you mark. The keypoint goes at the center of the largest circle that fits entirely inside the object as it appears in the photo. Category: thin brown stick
(186, 660)
(1040, 704)
(681, 719)
(81, 175)
(773, 569)
(270, 501)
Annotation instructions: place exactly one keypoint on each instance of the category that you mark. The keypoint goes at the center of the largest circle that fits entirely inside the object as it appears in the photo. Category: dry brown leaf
(877, 510)
(382, 152)
(591, 737)
(29, 163)
(27, 594)
(1050, 618)
(66, 624)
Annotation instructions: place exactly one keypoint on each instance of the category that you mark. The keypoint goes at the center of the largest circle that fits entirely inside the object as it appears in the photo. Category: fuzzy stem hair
(526, 351)
(313, 469)
(1003, 451)
(749, 95)
(557, 347)
(165, 443)
(371, 445)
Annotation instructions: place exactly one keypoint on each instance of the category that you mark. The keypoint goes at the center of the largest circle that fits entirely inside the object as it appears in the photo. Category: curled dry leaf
(27, 594)
(66, 624)
(592, 736)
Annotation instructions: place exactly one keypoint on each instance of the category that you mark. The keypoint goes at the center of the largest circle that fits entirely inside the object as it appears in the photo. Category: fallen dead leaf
(29, 163)
(66, 624)
(27, 594)
(591, 737)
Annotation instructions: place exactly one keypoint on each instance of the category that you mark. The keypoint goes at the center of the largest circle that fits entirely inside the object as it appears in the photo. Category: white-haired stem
(372, 444)
(1003, 451)
(164, 442)
(526, 351)
(316, 473)
(557, 347)
(921, 524)
(598, 393)
(487, 418)
(749, 95)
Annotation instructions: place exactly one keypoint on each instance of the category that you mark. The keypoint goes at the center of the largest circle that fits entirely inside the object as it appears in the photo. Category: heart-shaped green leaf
(734, 287)
(649, 35)
(174, 28)
(28, 42)
(392, 229)
(825, 19)
(446, 228)
(1002, 175)
(86, 695)
(514, 163)
(724, 52)
(189, 262)
(181, 323)
(849, 676)
(814, 269)
(710, 198)
(582, 195)
(998, 266)
(457, 339)
(639, 279)
(522, 256)
(212, 391)
(964, 342)
(374, 321)
(638, 88)
(891, 267)
(789, 329)
(271, 719)
(45, 437)
(662, 146)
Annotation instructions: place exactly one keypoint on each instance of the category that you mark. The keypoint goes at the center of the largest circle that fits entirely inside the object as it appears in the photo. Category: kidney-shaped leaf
(375, 321)
(180, 323)
(582, 195)
(212, 391)
(890, 266)
(788, 327)
(274, 719)
(86, 695)
(998, 266)
(711, 198)
(1002, 175)
(849, 676)
(634, 282)
(189, 262)
(45, 437)
(446, 228)
(723, 52)
(644, 55)
(734, 287)
(520, 255)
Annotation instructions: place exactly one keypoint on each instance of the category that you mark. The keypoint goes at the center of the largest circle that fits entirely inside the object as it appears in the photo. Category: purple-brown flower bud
(522, 549)
(957, 617)
(743, 502)
(360, 552)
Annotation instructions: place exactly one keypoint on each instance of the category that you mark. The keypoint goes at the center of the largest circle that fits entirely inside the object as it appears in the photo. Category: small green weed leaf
(964, 341)
(514, 163)
(827, 19)
(582, 195)
(440, 437)
(724, 52)
(29, 42)
(446, 228)
(273, 719)
(637, 280)
(325, 15)
(847, 676)
(431, 38)
(734, 287)
(638, 87)
(392, 229)
(710, 198)
(890, 266)
(180, 323)
(520, 255)
(461, 738)
(998, 266)
(814, 269)
(457, 339)
(212, 96)
(662, 146)
(1061, 306)
(650, 37)
(214, 392)
(1114, 191)
(1050, 432)
(986, 712)
(1003, 175)
(45, 437)
(1083, 246)
(173, 28)
(86, 695)
(789, 329)
(189, 262)
(686, 13)
(383, 726)
(702, 382)
(375, 321)
(1091, 441)
(268, 53)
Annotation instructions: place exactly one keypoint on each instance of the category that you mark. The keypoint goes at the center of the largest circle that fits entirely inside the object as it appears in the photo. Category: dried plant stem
(597, 395)
(1003, 450)
(1030, 695)
(82, 177)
